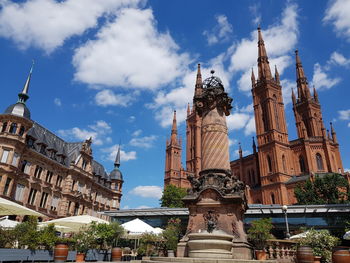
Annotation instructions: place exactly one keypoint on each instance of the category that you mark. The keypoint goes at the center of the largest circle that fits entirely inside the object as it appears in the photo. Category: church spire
(188, 109)
(303, 89)
(277, 76)
(23, 96)
(293, 97)
(199, 83)
(253, 78)
(334, 135)
(254, 145)
(264, 71)
(240, 151)
(174, 130)
(117, 158)
(315, 95)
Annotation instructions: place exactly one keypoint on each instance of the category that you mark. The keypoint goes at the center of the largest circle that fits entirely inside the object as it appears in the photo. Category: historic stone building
(45, 173)
(277, 164)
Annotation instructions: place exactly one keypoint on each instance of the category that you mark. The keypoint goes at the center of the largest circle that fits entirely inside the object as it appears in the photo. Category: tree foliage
(172, 196)
(329, 189)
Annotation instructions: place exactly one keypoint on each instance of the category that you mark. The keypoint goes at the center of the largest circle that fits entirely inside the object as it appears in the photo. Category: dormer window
(42, 149)
(21, 131)
(84, 164)
(30, 142)
(13, 128)
(4, 127)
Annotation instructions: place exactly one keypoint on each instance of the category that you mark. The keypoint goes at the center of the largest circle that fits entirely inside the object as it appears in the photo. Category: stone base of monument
(202, 260)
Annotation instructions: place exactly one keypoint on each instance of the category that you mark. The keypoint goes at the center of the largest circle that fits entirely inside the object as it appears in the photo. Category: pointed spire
(328, 135)
(240, 151)
(254, 145)
(277, 76)
(315, 94)
(23, 96)
(174, 127)
(293, 97)
(199, 83)
(117, 158)
(334, 135)
(188, 109)
(303, 89)
(264, 71)
(253, 78)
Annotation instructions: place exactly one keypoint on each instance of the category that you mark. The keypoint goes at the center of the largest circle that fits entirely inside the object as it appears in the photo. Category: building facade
(277, 164)
(45, 173)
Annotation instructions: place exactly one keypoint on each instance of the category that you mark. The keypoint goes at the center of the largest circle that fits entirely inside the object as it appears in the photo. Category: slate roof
(19, 109)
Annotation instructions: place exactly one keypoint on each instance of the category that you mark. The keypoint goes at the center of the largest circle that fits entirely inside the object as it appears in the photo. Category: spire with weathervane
(303, 88)
(23, 96)
(199, 83)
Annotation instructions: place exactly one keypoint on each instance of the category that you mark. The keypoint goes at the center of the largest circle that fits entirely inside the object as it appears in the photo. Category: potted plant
(171, 235)
(61, 250)
(258, 234)
(83, 241)
(321, 242)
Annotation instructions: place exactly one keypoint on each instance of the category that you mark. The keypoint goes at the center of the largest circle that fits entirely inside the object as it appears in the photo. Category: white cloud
(338, 59)
(97, 131)
(137, 133)
(124, 155)
(130, 52)
(279, 39)
(143, 207)
(166, 101)
(46, 24)
(132, 119)
(254, 10)
(107, 97)
(321, 80)
(220, 33)
(338, 13)
(232, 142)
(57, 102)
(250, 127)
(344, 114)
(237, 121)
(347, 170)
(349, 124)
(147, 191)
(143, 142)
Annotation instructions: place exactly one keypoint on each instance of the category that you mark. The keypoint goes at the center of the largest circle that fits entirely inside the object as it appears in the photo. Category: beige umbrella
(74, 223)
(11, 208)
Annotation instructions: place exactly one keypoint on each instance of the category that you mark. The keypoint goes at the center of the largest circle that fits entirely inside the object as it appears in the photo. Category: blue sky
(115, 70)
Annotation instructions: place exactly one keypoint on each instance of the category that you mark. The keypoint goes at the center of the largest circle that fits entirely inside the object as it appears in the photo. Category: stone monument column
(216, 201)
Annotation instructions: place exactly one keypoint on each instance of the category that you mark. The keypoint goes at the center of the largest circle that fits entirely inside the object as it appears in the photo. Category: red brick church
(277, 164)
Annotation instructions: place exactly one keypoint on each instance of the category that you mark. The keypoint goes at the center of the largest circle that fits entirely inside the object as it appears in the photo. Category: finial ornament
(212, 72)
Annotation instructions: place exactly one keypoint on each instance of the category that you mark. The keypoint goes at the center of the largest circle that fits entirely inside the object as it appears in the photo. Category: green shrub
(171, 233)
(321, 242)
(260, 232)
(27, 235)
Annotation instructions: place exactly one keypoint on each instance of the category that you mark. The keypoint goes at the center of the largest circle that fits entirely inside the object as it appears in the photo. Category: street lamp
(284, 209)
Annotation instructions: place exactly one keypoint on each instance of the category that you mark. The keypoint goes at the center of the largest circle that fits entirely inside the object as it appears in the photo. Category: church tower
(271, 129)
(173, 157)
(193, 132)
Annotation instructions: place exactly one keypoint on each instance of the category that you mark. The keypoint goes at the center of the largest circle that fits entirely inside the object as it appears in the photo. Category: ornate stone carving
(211, 220)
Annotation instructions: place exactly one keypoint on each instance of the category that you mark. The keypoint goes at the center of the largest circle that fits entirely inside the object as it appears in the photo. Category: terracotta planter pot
(60, 252)
(341, 255)
(116, 254)
(305, 255)
(80, 257)
(260, 254)
(317, 259)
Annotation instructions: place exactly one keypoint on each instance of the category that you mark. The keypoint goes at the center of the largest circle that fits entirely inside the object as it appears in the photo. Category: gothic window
(269, 163)
(265, 118)
(284, 164)
(13, 127)
(276, 112)
(319, 162)
(84, 164)
(273, 200)
(307, 126)
(302, 164)
(4, 127)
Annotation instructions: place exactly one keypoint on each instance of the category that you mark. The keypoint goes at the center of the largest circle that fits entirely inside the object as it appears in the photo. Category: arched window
(276, 112)
(265, 117)
(21, 131)
(319, 162)
(13, 127)
(284, 164)
(269, 164)
(4, 127)
(302, 164)
(273, 200)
